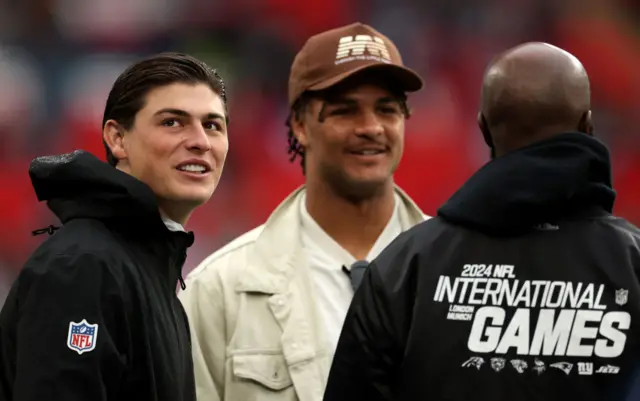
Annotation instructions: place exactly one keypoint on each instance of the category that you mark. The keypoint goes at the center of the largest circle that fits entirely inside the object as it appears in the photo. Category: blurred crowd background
(59, 58)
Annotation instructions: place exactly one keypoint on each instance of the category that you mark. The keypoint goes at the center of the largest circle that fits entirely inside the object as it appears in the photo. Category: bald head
(532, 92)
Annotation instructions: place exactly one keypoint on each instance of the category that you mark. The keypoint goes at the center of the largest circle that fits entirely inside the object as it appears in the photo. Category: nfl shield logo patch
(82, 336)
(621, 296)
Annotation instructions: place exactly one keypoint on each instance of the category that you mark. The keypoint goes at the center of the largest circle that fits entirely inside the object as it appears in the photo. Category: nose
(369, 124)
(198, 140)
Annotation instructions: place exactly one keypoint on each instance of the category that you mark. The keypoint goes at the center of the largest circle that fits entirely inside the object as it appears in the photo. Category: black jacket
(524, 287)
(93, 315)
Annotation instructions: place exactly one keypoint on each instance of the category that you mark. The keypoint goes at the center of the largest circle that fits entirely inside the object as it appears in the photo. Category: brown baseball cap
(331, 56)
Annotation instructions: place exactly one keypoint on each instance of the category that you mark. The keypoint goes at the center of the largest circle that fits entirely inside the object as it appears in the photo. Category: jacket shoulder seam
(234, 246)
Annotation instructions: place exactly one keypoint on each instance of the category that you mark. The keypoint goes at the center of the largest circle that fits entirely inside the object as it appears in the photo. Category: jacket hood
(79, 185)
(535, 185)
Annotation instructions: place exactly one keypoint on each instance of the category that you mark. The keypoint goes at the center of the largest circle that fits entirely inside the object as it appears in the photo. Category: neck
(168, 210)
(180, 217)
(354, 225)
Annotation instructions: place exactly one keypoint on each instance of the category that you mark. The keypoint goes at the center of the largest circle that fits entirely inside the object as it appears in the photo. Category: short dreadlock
(295, 148)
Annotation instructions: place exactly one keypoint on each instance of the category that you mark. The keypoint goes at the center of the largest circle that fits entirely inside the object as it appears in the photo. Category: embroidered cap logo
(352, 48)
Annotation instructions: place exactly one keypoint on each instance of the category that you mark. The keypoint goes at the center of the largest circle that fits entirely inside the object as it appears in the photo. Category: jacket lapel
(278, 267)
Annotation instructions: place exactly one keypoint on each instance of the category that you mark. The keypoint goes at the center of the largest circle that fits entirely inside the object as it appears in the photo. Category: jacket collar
(278, 249)
(564, 177)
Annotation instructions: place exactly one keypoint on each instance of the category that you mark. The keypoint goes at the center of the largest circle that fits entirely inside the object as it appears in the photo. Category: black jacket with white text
(93, 314)
(524, 287)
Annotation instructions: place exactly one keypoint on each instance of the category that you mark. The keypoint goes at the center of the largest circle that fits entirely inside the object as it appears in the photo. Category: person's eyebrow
(340, 101)
(346, 101)
(182, 113)
(388, 99)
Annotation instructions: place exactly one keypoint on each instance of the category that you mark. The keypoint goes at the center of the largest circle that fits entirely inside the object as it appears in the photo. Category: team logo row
(539, 367)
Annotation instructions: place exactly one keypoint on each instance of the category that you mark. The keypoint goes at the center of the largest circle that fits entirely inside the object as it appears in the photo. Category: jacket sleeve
(70, 317)
(203, 303)
(371, 345)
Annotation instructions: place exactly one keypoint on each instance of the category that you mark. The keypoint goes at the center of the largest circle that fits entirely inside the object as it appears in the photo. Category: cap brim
(407, 79)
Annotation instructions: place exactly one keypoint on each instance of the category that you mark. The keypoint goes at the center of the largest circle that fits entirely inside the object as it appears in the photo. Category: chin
(194, 196)
(199, 199)
(368, 177)
(359, 188)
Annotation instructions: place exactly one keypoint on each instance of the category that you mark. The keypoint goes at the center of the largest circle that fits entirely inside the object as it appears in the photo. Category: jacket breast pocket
(261, 373)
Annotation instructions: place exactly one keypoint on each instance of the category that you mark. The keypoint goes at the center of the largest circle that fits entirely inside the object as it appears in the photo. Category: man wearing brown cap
(267, 309)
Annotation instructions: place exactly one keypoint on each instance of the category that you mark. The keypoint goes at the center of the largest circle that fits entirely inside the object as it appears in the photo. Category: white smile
(368, 152)
(193, 168)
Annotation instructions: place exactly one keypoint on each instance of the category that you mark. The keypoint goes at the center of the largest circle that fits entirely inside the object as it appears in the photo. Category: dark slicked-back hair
(128, 94)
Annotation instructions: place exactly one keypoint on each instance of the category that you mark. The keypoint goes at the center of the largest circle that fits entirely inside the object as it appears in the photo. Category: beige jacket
(256, 334)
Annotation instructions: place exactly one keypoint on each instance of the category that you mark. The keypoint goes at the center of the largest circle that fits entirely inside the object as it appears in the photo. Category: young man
(267, 309)
(94, 314)
(525, 287)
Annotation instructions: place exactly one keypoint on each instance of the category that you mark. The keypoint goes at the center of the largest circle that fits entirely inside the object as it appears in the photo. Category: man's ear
(113, 136)
(299, 130)
(586, 124)
(484, 128)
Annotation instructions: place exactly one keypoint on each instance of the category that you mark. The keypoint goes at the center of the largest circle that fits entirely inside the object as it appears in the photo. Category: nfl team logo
(622, 296)
(82, 336)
